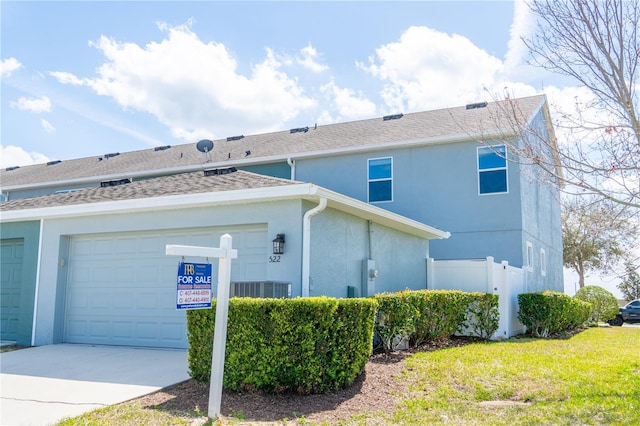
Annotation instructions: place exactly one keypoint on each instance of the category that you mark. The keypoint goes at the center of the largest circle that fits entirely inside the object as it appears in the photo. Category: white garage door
(121, 288)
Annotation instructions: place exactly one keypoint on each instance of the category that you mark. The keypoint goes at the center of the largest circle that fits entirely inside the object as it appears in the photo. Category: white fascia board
(305, 191)
(170, 202)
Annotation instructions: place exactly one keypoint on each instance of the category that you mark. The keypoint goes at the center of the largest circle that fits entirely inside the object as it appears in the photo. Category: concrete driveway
(42, 385)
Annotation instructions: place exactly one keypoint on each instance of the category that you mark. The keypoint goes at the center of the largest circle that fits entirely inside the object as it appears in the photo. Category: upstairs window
(380, 177)
(492, 169)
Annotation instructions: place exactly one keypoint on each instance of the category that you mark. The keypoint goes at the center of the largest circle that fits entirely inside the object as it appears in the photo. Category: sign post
(224, 254)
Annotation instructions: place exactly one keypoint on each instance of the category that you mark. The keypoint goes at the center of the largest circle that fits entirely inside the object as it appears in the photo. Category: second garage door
(121, 288)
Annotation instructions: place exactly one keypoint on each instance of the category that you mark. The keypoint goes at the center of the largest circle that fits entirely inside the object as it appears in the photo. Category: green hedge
(551, 312)
(604, 305)
(483, 315)
(306, 345)
(427, 315)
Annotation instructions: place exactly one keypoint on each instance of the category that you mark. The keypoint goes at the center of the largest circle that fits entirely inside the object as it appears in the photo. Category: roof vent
(51, 163)
(114, 182)
(8, 169)
(113, 154)
(247, 153)
(161, 148)
(299, 130)
(392, 117)
(215, 172)
(235, 138)
(477, 105)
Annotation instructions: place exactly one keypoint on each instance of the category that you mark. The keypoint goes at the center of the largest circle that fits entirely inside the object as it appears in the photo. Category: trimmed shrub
(604, 305)
(427, 315)
(306, 345)
(483, 315)
(551, 312)
(395, 318)
(439, 313)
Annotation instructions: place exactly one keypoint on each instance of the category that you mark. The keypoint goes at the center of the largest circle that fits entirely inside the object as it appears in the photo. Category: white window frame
(543, 262)
(505, 168)
(529, 256)
(369, 180)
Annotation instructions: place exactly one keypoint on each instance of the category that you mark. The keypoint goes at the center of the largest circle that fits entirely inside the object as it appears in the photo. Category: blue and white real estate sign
(194, 286)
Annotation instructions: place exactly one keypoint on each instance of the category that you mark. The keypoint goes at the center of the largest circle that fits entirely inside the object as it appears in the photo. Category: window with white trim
(380, 179)
(543, 262)
(492, 169)
(529, 259)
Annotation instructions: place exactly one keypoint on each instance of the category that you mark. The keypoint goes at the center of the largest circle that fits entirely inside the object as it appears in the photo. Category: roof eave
(183, 201)
(409, 143)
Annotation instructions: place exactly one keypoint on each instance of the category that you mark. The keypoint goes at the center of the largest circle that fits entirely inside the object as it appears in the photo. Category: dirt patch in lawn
(377, 389)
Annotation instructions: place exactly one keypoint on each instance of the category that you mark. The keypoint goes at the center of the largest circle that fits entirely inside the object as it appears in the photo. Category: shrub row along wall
(426, 315)
(316, 345)
(551, 312)
(306, 345)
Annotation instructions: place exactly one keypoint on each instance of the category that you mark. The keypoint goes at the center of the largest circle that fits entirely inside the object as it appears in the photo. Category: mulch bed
(377, 389)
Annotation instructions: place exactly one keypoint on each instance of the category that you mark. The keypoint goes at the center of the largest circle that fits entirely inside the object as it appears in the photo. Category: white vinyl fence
(483, 275)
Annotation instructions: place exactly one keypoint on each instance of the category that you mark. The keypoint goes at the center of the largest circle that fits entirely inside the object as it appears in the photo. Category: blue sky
(84, 78)
(88, 78)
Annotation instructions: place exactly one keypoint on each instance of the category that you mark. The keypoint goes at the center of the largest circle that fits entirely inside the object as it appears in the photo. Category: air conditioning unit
(261, 289)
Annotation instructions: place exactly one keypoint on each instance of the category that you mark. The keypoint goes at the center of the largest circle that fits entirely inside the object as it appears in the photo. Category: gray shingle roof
(192, 183)
(434, 124)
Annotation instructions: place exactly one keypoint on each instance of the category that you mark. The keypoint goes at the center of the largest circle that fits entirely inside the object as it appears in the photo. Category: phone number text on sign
(193, 286)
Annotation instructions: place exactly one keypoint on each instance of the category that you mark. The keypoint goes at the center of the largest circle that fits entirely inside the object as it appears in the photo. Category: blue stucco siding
(436, 185)
(279, 170)
(541, 218)
(341, 242)
(338, 246)
(28, 235)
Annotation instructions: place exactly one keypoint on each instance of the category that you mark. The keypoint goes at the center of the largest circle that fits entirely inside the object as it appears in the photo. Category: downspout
(306, 244)
(292, 163)
(37, 289)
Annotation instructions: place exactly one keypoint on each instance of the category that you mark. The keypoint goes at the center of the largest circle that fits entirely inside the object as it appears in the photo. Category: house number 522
(274, 259)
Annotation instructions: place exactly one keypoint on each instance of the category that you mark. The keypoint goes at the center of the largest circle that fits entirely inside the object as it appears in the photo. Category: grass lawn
(592, 378)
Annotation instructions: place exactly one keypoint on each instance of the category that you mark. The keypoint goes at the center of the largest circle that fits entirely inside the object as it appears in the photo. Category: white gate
(486, 276)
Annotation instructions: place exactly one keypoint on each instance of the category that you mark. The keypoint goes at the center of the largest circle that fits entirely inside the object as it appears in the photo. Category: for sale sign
(194, 286)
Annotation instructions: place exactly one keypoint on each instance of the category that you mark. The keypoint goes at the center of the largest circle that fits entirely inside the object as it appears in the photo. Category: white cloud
(35, 105)
(193, 86)
(68, 78)
(522, 26)
(48, 127)
(349, 104)
(309, 59)
(8, 66)
(429, 69)
(11, 155)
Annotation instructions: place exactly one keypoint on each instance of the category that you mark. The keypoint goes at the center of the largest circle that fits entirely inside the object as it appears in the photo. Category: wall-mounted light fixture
(278, 244)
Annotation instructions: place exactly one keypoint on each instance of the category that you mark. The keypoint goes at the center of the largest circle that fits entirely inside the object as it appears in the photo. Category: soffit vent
(215, 172)
(392, 117)
(161, 148)
(8, 169)
(51, 163)
(114, 182)
(299, 130)
(235, 138)
(477, 105)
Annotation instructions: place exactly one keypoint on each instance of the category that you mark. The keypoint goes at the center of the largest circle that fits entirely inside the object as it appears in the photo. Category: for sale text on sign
(194, 286)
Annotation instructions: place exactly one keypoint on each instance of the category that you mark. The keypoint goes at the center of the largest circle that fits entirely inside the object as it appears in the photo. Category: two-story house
(359, 205)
